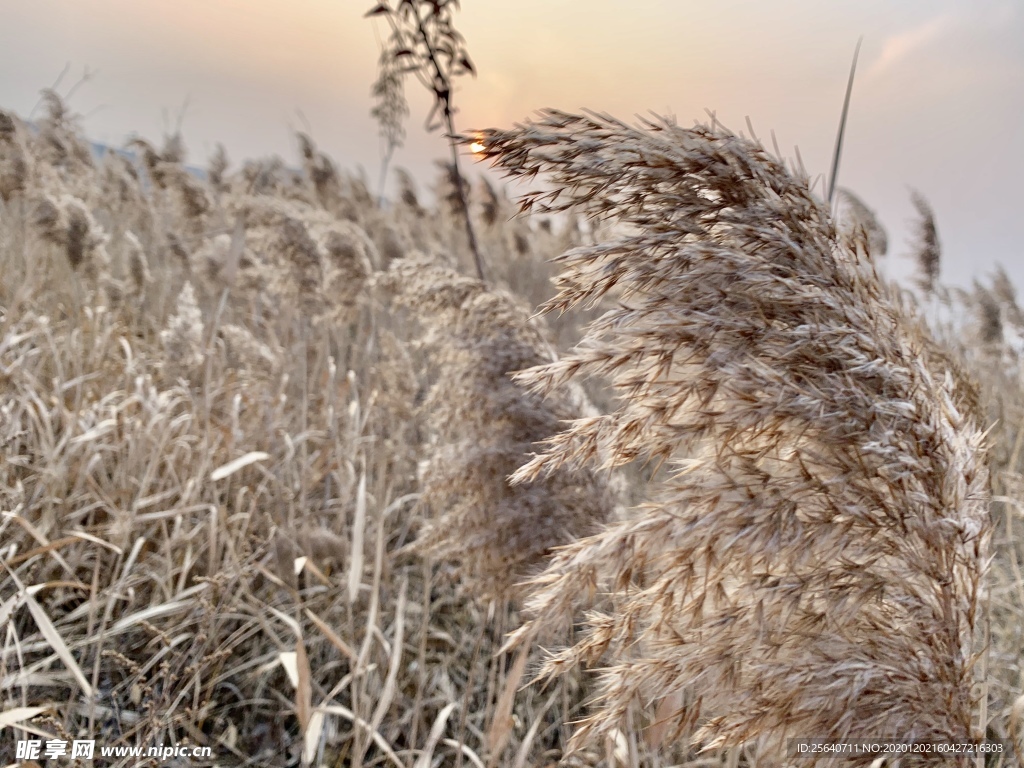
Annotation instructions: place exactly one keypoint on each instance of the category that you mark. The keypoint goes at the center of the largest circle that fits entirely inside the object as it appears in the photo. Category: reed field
(683, 478)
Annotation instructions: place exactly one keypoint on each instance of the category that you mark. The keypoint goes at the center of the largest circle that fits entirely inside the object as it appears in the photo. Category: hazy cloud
(901, 46)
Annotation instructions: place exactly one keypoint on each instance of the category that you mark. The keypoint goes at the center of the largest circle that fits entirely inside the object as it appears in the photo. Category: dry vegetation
(257, 429)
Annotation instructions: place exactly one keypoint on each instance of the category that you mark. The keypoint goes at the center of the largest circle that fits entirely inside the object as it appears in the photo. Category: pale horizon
(936, 105)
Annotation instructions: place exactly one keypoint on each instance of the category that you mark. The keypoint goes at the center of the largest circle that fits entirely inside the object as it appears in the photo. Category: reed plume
(407, 193)
(138, 264)
(927, 248)
(309, 252)
(216, 170)
(988, 316)
(348, 262)
(183, 335)
(15, 160)
(491, 204)
(321, 172)
(194, 198)
(119, 188)
(66, 222)
(210, 260)
(484, 426)
(1006, 294)
(860, 225)
(811, 562)
(153, 160)
(262, 177)
(247, 353)
(301, 253)
(59, 140)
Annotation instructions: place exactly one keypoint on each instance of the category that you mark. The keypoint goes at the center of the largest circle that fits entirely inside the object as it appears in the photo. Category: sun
(476, 147)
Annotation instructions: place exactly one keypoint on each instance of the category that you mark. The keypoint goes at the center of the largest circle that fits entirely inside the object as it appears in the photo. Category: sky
(937, 106)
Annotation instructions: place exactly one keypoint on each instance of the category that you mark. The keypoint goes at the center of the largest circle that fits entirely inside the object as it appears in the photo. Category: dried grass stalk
(812, 564)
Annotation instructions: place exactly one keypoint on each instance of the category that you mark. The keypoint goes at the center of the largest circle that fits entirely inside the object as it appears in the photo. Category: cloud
(901, 46)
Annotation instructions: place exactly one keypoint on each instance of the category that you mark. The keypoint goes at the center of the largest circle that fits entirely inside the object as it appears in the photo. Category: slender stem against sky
(842, 127)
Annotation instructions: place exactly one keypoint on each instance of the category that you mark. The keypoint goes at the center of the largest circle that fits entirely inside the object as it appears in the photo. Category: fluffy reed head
(59, 138)
(67, 223)
(390, 107)
(308, 253)
(119, 184)
(927, 249)
(194, 198)
(302, 254)
(218, 167)
(407, 192)
(150, 158)
(491, 204)
(811, 564)
(15, 160)
(349, 255)
(247, 353)
(321, 171)
(183, 335)
(483, 427)
(860, 227)
(138, 264)
(1005, 293)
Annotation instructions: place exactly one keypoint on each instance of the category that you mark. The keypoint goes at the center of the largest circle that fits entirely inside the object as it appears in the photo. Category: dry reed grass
(206, 493)
(222, 546)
